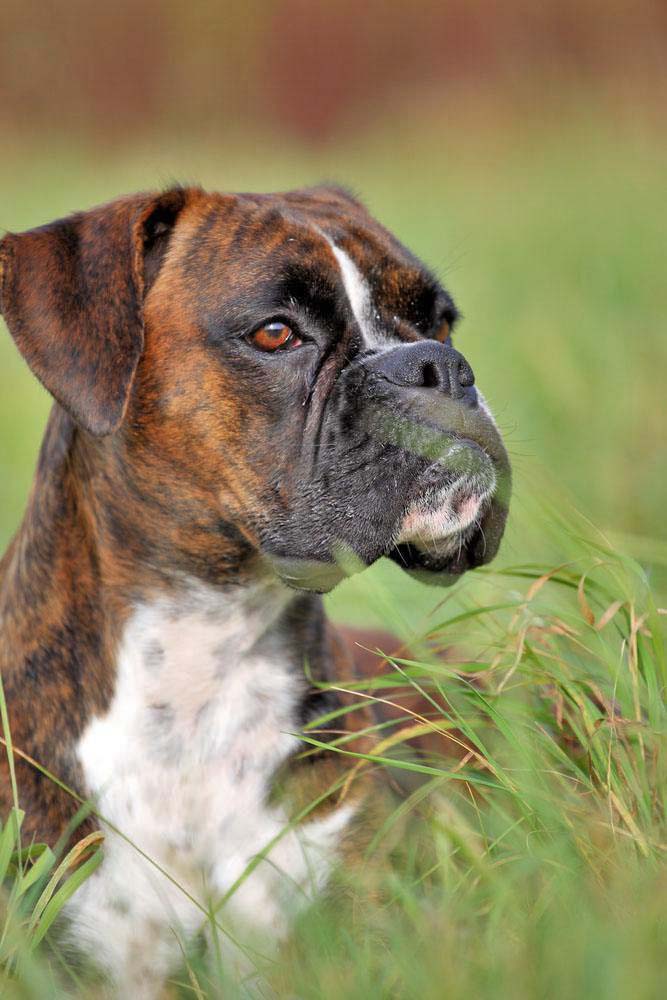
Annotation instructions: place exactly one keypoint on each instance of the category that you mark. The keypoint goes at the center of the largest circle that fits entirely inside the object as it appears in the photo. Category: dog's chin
(435, 564)
(442, 537)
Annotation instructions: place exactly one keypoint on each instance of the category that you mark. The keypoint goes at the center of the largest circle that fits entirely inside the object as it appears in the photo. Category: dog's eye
(275, 337)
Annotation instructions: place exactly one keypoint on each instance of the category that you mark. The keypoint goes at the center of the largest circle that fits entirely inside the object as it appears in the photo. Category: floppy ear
(72, 295)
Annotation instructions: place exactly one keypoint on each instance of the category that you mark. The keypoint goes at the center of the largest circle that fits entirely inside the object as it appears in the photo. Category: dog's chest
(205, 711)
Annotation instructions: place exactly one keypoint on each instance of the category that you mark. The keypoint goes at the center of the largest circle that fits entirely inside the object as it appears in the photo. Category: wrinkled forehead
(305, 246)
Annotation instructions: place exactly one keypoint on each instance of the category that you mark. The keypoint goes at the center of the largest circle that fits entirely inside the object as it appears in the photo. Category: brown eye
(443, 332)
(274, 337)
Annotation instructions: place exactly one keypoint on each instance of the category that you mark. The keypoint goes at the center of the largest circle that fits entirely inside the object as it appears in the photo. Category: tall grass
(548, 880)
(529, 862)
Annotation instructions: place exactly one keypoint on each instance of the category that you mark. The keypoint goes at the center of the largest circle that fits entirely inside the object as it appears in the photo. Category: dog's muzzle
(409, 465)
(456, 506)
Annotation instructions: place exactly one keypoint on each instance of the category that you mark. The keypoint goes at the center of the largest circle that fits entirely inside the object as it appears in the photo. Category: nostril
(424, 364)
(460, 375)
(430, 375)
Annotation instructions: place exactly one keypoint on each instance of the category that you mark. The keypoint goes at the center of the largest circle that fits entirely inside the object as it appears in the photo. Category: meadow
(537, 868)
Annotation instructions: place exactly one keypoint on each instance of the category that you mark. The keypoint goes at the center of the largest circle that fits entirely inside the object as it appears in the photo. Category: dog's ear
(72, 295)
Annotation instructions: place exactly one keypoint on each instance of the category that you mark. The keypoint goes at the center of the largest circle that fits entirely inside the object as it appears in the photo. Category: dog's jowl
(254, 393)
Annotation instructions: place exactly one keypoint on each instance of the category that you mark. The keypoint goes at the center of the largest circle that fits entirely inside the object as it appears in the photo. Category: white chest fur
(204, 712)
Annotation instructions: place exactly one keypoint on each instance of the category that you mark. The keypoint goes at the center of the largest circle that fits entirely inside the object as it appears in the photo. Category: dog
(254, 396)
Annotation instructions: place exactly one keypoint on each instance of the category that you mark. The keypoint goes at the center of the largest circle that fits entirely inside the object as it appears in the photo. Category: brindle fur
(164, 461)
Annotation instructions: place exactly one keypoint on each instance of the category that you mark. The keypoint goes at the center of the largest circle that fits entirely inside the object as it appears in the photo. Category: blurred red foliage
(312, 68)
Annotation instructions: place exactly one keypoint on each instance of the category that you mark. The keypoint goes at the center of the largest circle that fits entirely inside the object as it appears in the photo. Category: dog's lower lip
(467, 506)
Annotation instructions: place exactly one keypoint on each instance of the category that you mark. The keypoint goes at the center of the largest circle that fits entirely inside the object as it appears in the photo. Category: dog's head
(275, 369)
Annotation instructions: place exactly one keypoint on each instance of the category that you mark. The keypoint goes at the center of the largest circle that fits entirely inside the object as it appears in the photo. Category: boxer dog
(254, 395)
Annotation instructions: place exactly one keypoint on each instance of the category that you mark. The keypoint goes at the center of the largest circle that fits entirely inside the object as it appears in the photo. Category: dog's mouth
(442, 510)
(452, 502)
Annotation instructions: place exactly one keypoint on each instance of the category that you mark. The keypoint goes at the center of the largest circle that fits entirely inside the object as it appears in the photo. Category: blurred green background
(520, 149)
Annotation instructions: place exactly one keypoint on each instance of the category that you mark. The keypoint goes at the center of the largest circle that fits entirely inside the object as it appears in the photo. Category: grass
(539, 869)
(535, 867)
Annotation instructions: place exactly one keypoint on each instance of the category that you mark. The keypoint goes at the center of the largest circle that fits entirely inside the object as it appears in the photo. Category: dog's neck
(94, 553)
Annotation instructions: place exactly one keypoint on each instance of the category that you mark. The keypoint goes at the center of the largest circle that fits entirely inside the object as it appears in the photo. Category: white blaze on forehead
(355, 286)
(357, 291)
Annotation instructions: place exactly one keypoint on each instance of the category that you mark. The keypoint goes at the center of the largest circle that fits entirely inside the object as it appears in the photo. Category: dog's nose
(426, 364)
